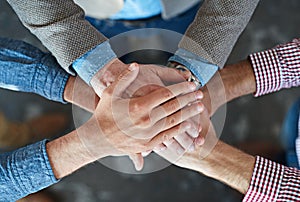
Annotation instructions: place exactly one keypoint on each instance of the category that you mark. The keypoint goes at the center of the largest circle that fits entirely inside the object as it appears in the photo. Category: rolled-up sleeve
(277, 68)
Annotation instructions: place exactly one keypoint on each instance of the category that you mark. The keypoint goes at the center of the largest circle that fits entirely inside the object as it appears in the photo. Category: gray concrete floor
(248, 118)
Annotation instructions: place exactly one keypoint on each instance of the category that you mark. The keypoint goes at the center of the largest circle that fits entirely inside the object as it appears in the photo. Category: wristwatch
(182, 68)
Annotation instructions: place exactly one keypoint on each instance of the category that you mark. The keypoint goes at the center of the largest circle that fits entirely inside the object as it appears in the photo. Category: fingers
(186, 141)
(146, 153)
(171, 75)
(124, 80)
(164, 94)
(168, 134)
(174, 105)
(175, 146)
(179, 117)
(137, 160)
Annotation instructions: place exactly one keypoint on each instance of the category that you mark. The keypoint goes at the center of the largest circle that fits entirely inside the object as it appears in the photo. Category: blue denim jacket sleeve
(25, 171)
(201, 68)
(25, 68)
(91, 62)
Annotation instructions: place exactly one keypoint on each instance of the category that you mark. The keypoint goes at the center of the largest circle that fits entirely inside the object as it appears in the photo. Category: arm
(61, 27)
(262, 73)
(27, 69)
(210, 38)
(37, 166)
(258, 178)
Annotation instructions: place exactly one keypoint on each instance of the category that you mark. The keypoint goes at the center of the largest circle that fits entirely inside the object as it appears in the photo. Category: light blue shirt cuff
(91, 62)
(201, 68)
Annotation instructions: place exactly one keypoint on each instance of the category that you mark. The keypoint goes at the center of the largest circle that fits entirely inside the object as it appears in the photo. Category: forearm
(79, 93)
(216, 28)
(77, 149)
(25, 68)
(238, 79)
(229, 165)
(223, 163)
(61, 27)
(229, 83)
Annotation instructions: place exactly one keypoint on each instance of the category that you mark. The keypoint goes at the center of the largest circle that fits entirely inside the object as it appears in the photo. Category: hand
(202, 125)
(79, 93)
(139, 124)
(150, 77)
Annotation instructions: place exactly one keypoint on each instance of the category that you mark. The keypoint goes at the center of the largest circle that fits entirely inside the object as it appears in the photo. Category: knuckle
(137, 107)
(172, 106)
(166, 93)
(144, 122)
(108, 92)
(171, 120)
(165, 137)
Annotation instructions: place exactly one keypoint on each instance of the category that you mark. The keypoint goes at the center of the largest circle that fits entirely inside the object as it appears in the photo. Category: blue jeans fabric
(112, 28)
(289, 134)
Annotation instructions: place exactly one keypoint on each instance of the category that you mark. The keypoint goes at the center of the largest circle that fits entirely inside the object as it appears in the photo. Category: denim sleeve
(91, 62)
(25, 171)
(200, 67)
(25, 68)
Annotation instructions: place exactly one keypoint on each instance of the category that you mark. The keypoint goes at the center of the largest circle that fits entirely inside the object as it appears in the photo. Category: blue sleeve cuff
(27, 69)
(91, 62)
(201, 68)
(50, 80)
(25, 171)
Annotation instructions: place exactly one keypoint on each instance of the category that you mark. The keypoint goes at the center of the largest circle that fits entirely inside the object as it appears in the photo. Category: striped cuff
(267, 72)
(266, 180)
(273, 182)
(277, 68)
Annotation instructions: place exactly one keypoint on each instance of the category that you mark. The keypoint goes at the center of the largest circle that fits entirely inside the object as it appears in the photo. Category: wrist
(238, 79)
(229, 165)
(106, 75)
(79, 93)
(68, 92)
(76, 149)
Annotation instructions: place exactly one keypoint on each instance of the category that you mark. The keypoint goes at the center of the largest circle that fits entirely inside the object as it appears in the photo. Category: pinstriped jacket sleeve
(216, 28)
(61, 27)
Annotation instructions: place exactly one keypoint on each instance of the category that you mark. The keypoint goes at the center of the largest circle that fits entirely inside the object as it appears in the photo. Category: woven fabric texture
(216, 28)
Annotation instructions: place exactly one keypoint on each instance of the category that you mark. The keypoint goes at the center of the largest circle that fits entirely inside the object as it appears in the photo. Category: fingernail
(199, 141)
(199, 108)
(192, 86)
(192, 148)
(163, 148)
(199, 129)
(194, 133)
(199, 95)
(132, 66)
(187, 125)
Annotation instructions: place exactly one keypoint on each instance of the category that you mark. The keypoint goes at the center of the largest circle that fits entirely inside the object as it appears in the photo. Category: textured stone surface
(248, 118)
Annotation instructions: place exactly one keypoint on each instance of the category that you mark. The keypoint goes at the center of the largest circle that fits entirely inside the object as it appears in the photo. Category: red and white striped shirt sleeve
(277, 68)
(273, 182)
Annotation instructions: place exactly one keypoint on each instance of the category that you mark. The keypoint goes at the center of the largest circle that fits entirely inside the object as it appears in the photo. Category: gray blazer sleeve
(60, 26)
(216, 28)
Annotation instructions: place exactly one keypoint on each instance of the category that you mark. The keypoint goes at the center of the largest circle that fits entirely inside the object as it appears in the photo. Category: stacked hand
(140, 124)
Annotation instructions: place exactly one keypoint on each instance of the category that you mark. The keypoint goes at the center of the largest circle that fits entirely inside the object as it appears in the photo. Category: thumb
(125, 79)
(137, 160)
